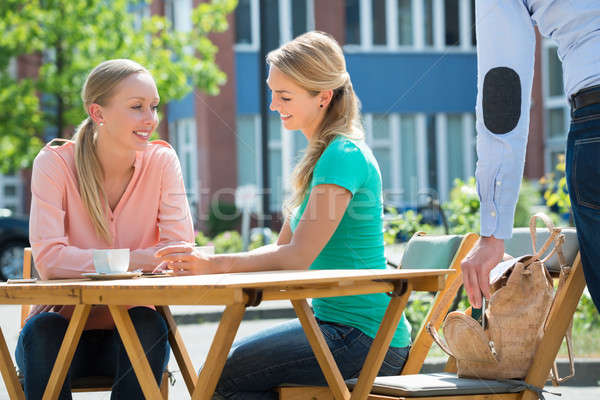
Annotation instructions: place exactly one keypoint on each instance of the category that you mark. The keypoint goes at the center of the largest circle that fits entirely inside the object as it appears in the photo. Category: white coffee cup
(111, 261)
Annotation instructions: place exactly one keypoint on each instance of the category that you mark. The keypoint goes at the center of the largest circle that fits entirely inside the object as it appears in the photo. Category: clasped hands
(183, 259)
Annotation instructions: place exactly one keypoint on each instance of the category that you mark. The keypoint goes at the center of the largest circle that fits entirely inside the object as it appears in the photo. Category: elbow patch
(501, 100)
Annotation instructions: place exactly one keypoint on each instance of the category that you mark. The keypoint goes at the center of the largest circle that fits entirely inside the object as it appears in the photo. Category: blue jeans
(583, 181)
(259, 363)
(99, 353)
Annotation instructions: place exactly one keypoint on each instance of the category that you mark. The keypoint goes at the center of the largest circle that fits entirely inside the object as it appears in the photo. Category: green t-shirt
(357, 242)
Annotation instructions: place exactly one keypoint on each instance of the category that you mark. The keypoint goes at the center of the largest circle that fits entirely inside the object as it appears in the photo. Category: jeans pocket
(586, 172)
(335, 332)
(394, 360)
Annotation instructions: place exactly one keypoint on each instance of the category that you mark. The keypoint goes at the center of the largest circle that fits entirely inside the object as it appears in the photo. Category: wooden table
(236, 292)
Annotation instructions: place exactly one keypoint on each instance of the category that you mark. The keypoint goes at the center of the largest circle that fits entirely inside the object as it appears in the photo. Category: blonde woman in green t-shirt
(333, 221)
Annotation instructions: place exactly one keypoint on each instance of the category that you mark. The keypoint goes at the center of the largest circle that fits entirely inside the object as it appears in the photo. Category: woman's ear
(95, 112)
(325, 98)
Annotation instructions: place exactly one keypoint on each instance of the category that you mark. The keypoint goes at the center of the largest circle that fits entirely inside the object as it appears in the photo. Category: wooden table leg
(380, 345)
(219, 349)
(322, 352)
(66, 352)
(181, 355)
(9, 375)
(135, 351)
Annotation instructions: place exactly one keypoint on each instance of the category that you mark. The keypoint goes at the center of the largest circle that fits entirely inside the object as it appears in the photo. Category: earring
(321, 105)
(101, 123)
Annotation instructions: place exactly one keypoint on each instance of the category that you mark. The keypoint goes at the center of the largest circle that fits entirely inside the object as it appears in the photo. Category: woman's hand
(184, 260)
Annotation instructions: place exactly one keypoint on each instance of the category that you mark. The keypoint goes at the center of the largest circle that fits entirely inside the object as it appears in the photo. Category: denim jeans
(583, 181)
(99, 353)
(282, 354)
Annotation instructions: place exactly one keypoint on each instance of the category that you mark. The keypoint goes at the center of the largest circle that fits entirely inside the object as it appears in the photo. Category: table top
(243, 279)
(202, 289)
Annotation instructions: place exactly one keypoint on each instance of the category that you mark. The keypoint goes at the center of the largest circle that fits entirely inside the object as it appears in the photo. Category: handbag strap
(554, 232)
(440, 342)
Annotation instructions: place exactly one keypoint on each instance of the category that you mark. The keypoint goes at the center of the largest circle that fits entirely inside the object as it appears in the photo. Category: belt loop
(572, 104)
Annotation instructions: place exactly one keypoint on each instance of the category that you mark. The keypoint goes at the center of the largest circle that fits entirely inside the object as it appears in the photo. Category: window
(473, 26)
(405, 23)
(455, 146)
(10, 193)
(12, 68)
(422, 24)
(184, 142)
(299, 17)
(408, 159)
(283, 19)
(451, 19)
(556, 107)
(428, 21)
(379, 136)
(179, 12)
(421, 155)
(556, 122)
(249, 156)
(248, 150)
(379, 22)
(140, 11)
(243, 22)
(432, 164)
(352, 22)
(555, 77)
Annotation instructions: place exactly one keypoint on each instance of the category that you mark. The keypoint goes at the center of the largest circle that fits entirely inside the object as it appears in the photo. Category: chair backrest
(430, 251)
(27, 273)
(438, 252)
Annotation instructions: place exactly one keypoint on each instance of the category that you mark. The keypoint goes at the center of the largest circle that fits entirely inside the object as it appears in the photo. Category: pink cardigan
(152, 213)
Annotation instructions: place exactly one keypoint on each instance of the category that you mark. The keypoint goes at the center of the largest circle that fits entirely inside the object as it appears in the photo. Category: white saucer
(112, 275)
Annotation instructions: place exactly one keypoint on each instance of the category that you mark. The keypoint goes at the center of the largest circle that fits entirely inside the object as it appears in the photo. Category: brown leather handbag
(503, 346)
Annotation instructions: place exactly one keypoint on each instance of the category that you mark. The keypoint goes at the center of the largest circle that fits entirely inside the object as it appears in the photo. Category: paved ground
(198, 336)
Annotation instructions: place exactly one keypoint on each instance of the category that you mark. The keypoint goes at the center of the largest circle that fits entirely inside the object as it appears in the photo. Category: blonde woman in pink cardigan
(108, 188)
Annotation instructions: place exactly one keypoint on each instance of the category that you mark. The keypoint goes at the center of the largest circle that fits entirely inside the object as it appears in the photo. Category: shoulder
(56, 155)
(344, 150)
(161, 152)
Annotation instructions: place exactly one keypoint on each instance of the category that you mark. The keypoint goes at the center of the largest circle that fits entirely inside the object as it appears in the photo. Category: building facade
(413, 66)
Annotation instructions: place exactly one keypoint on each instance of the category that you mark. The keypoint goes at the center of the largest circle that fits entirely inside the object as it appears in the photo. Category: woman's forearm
(265, 258)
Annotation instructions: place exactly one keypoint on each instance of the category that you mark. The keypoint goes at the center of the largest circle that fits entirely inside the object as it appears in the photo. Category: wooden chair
(446, 386)
(87, 384)
(422, 252)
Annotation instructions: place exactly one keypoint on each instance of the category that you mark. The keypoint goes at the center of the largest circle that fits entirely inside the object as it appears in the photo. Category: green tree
(74, 36)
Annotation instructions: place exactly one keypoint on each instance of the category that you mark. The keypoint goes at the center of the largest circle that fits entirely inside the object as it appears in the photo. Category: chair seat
(438, 384)
(92, 382)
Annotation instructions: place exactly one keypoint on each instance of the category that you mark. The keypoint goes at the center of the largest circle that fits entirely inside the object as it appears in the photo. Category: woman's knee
(45, 329)
(148, 322)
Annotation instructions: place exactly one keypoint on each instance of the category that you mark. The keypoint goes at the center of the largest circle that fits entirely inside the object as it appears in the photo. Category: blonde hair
(315, 62)
(98, 88)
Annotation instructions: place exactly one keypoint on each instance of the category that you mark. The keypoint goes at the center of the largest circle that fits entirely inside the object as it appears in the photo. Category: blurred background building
(413, 66)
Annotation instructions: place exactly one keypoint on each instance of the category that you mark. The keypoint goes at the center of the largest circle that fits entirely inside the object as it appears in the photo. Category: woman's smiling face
(131, 113)
(297, 108)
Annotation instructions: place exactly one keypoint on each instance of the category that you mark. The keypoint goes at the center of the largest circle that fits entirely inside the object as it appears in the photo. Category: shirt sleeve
(343, 164)
(54, 256)
(174, 216)
(505, 61)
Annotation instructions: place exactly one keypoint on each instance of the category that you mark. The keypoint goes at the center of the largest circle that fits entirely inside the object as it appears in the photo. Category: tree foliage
(74, 36)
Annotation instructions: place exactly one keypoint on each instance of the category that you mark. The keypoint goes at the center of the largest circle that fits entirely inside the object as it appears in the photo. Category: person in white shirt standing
(505, 61)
